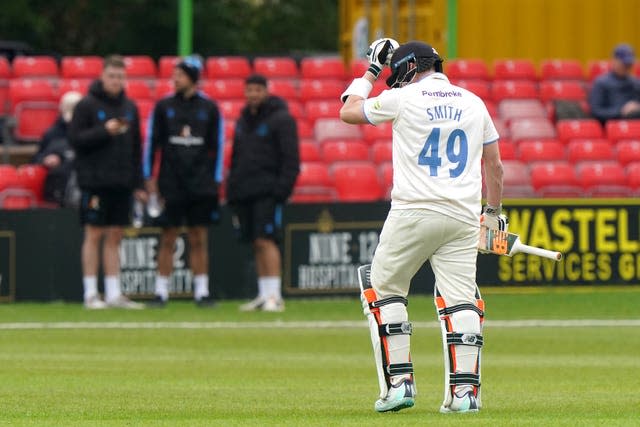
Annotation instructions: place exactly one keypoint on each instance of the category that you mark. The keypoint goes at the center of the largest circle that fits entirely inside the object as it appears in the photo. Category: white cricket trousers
(410, 237)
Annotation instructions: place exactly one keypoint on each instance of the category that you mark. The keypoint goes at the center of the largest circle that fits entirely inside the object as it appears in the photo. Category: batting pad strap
(475, 340)
(400, 368)
(464, 378)
(446, 311)
(389, 300)
(360, 87)
(402, 328)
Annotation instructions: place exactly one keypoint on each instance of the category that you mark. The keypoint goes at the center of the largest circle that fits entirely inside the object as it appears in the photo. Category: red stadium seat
(321, 89)
(323, 68)
(76, 85)
(356, 181)
(372, 133)
(597, 68)
(328, 128)
(224, 89)
(509, 109)
(227, 67)
(231, 109)
(164, 88)
(550, 174)
(582, 128)
(283, 88)
(628, 151)
(309, 152)
(514, 69)
(515, 173)
(314, 174)
(632, 172)
(276, 67)
(145, 108)
(540, 150)
(31, 90)
(81, 67)
(305, 130)
(479, 87)
(580, 150)
(166, 65)
(507, 150)
(510, 89)
(32, 178)
(561, 69)
(382, 152)
(17, 198)
(560, 191)
(33, 119)
(5, 68)
(34, 66)
(138, 89)
(322, 109)
(339, 150)
(464, 69)
(606, 173)
(140, 66)
(296, 109)
(502, 128)
(531, 129)
(314, 194)
(610, 191)
(623, 129)
(567, 90)
(8, 176)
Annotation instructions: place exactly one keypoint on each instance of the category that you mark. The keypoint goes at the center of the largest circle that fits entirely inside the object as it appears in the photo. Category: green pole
(452, 29)
(185, 27)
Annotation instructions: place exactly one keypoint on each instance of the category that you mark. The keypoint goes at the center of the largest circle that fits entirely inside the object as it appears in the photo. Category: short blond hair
(115, 61)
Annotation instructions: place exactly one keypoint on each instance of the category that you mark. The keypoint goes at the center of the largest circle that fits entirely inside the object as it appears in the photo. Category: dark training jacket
(105, 161)
(265, 160)
(188, 133)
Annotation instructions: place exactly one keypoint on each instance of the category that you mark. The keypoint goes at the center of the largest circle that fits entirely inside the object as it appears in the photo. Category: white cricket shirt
(438, 133)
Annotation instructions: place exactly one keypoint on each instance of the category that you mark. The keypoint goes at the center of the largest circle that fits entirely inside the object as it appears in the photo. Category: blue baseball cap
(625, 54)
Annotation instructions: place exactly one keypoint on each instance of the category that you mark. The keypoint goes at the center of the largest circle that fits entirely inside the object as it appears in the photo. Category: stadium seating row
(319, 67)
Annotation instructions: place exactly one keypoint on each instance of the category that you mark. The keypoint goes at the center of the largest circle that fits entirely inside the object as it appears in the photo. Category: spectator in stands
(55, 152)
(616, 94)
(105, 133)
(264, 166)
(187, 132)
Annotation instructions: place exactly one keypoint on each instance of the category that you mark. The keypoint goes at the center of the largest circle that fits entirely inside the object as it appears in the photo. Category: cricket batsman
(441, 133)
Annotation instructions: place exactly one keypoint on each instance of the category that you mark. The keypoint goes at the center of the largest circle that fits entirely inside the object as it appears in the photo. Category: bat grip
(545, 253)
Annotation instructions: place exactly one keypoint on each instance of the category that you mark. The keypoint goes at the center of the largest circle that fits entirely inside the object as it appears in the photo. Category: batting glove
(379, 54)
(493, 218)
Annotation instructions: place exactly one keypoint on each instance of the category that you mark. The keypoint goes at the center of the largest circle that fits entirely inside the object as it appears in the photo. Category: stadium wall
(323, 244)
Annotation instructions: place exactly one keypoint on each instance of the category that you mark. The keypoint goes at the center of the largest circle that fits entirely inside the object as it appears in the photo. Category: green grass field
(61, 365)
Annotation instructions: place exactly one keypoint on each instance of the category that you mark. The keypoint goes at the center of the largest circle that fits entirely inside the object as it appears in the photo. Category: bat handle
(545, 253)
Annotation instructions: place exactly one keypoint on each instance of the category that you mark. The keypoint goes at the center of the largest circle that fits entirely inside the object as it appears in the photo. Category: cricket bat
(505, 243)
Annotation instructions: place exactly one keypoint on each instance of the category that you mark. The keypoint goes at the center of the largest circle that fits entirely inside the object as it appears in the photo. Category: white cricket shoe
(124, 302)
(461, 404)
(275, 305)
(399, 396)
(94, 303)
(253, 305)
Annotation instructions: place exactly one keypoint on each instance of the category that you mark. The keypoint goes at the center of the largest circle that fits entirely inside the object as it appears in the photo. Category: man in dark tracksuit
(183, 162)
(105, 134)
(264, 166)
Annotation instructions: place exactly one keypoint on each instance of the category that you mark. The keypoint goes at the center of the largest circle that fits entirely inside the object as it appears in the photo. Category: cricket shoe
(94, 303)
(206, 302)
(253, 305)
(399, 396)
(461, 404)
(124, 302)
(274, 305)
(157, 302)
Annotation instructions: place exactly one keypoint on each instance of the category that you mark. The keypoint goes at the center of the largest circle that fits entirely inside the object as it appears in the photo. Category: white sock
(272, 286)
(201, 290)
(90, 287)
(262, 288)
(112, 288)
(162, 287)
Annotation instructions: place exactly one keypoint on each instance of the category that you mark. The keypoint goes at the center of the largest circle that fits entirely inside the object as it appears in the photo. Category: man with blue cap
(616, 94)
